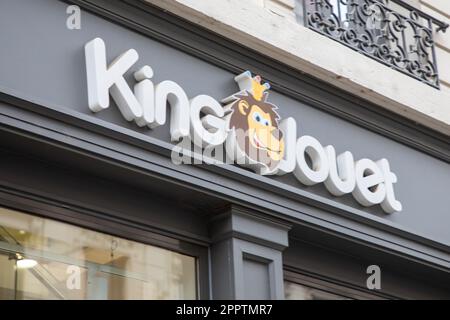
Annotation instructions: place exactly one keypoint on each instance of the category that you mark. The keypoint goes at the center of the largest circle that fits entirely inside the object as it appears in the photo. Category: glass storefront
(46, 259)
(296, 291)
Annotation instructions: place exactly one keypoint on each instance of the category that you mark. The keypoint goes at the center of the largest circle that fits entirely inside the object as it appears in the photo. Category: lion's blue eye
(266, 123)
(257, 117)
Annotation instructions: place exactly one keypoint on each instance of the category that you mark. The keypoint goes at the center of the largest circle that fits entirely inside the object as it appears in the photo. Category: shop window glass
(46, 259)
(296, 291)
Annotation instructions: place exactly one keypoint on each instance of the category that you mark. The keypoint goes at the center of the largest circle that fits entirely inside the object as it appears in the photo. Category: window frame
(100, 221)
(331, 286)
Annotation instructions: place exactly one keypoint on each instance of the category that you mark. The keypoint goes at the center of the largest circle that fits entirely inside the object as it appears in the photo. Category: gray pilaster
(246, 255)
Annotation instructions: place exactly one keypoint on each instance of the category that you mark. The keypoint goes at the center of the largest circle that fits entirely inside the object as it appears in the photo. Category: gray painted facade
(249, 231)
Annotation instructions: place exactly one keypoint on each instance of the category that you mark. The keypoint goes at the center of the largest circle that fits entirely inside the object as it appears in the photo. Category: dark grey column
(246, 255)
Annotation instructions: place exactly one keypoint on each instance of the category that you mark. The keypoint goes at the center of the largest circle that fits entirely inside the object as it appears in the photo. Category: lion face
(262, 132)
(257, 132)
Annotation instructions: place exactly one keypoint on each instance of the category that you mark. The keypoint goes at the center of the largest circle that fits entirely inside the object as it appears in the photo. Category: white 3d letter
(319, 171)
(144, 91)
(341, 179)
(368, 175)
(211, 129)
(102, 79)
(389, 204)
(169, 91)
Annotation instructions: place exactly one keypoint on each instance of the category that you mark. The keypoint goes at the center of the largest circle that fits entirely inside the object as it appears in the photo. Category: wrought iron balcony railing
(390, 31)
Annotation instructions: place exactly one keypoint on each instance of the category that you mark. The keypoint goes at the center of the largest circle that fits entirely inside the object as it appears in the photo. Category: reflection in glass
(45, 259)
(295, 291)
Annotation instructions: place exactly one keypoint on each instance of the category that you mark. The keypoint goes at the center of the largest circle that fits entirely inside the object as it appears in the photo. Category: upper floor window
(390, 31)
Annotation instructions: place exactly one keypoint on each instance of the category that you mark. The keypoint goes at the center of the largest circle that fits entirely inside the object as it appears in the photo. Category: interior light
(26, 263)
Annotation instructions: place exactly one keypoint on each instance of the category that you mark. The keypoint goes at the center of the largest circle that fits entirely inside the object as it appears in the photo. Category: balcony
(389, 31)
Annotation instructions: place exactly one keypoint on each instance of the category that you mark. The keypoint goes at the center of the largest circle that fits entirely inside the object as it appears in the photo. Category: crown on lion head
(258, 89)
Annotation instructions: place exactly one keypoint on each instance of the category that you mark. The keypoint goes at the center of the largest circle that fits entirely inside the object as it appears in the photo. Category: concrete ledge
(309, 52)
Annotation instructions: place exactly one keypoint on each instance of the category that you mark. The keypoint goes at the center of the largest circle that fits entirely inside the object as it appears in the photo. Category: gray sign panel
(41, 60)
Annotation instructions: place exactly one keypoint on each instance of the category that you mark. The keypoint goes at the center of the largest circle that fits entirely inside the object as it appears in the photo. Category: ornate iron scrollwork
(387, 30)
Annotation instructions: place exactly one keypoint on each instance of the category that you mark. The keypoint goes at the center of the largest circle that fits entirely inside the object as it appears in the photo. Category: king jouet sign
(245, 124)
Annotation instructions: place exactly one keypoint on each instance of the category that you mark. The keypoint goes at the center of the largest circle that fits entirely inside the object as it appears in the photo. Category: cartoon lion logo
(256, 139)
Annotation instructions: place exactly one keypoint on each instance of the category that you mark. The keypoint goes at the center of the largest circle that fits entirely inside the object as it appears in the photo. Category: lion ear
(243, 107)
